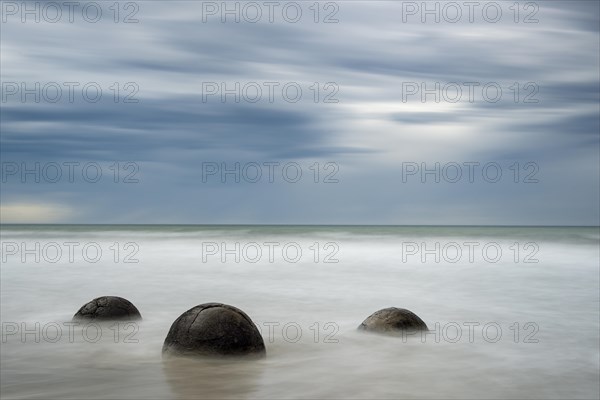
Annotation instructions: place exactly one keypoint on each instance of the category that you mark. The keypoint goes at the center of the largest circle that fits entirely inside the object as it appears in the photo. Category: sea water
(513, 312)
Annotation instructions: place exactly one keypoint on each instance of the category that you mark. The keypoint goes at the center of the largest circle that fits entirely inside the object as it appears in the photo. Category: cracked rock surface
(391, 320)
(108, 308)
(213, 330)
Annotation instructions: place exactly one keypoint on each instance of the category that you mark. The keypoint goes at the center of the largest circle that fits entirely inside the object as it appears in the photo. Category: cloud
(33, 213)
(369, 133)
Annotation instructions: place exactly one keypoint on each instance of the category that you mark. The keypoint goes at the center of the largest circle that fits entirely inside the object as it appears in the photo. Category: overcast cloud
(366, 131)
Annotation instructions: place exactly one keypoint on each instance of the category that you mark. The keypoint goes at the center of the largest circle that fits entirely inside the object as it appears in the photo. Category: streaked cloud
(369, 133)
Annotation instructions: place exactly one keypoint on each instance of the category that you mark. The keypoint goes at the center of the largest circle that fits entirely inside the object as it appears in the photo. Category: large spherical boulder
(213, 330)
(108, 308)
(392, 320)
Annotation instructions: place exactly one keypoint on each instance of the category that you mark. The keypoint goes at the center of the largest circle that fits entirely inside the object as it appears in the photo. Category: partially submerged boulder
(108, 308)
(214, 330)
(393, 320)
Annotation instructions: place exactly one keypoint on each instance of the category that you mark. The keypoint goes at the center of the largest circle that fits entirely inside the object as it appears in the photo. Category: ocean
(513, 312)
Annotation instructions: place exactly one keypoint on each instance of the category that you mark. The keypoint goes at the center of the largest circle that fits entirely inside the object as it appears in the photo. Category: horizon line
(311, 225)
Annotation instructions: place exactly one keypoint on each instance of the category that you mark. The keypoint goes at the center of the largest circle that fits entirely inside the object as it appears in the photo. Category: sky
(345, 112)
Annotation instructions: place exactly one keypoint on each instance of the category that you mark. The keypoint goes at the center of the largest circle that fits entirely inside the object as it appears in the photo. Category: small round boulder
(108, 308)
(392, 320)
(214, 330)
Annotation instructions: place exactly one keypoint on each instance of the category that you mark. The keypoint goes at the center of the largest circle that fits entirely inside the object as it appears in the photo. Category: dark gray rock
(392, 320)
(213, 330)
(108, 308)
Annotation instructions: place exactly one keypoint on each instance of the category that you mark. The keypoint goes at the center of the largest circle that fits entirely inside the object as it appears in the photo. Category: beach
(522, 323)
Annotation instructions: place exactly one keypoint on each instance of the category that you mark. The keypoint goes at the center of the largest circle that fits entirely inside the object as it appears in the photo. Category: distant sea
(513, 312)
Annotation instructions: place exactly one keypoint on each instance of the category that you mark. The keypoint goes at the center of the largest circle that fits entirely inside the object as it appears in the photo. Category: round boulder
(214, 330)
(108, 308)
(391, 320)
